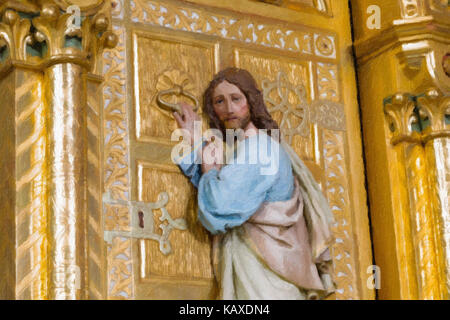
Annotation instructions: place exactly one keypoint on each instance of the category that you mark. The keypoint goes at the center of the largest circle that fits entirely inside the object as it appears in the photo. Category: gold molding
(321, 6)
(235, 27)
(396, 36)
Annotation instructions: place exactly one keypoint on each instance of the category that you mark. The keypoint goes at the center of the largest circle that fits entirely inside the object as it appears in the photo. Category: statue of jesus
(271, 228)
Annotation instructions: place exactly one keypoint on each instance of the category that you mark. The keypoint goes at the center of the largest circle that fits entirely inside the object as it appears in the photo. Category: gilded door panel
(161, 63)
(298, 53)
(165, 276)
(287, 87)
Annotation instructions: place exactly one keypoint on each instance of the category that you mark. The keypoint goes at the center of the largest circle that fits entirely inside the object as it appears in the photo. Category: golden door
(299, 52)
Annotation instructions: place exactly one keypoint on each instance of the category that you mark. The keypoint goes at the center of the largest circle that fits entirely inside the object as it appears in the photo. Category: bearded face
(231, 106)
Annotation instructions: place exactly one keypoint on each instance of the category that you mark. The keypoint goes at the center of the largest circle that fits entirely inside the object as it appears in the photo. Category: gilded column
(72, 52)
(406, 140)
(435, 115)
(53, 148)
(401, 47)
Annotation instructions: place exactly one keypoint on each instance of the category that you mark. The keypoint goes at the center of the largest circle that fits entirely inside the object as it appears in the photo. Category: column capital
(46, 32)
(434, 110)
(401, 118)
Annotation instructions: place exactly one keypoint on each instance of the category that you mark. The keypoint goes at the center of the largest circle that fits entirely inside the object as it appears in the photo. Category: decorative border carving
(337, 190)
(116, 180)
(240, 28)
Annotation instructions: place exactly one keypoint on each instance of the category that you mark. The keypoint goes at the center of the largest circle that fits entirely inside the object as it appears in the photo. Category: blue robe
(229, 197)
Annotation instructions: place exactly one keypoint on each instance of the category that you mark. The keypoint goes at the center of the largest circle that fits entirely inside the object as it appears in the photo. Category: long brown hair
(241, 78)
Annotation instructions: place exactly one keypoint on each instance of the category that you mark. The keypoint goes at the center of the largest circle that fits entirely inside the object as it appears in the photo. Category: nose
(231, 106)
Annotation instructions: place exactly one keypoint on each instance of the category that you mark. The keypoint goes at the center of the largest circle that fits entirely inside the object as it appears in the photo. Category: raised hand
(186, 119)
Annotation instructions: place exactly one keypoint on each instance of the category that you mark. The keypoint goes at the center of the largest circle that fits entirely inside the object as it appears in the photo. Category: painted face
(230, 105)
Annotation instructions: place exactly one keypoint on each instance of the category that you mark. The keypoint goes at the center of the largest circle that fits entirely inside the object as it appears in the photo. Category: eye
(236, 98)
(218, 101)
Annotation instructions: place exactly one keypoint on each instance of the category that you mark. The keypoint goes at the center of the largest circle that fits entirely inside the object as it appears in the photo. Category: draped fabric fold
(286, 244)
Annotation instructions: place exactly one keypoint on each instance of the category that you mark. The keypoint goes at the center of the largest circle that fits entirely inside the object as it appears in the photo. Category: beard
(240, 123)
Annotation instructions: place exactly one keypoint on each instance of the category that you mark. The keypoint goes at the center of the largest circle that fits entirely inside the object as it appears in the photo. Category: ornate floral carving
(434, 107)
(328, 114)
(119, 268)
(120, 273)
(327, 81)
(116, 150)
(15, 34)
(401, 117)
(53, 28)
(343, 251)
(225, 26)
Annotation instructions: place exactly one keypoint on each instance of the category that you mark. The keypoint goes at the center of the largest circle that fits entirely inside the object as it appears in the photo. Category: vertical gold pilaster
(400, 112)
(435, 107)
(403, 52)
(7, 198)
(96, 255)
(52, 187)
(24, 215)
(31, 186)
